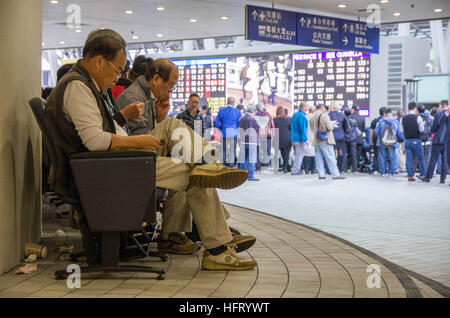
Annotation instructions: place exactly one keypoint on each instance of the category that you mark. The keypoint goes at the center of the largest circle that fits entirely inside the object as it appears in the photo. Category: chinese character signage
(264, 24)
(317, 31)
(342, 76)
(271, 25)
(206, 77)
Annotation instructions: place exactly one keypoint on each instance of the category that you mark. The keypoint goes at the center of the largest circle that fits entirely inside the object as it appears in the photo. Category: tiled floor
(293, 261)
(405, 222)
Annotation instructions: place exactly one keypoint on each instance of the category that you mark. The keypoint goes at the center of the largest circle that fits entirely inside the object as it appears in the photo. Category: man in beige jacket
(324, 148)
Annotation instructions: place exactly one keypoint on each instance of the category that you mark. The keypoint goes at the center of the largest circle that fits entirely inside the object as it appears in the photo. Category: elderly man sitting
(81, 112)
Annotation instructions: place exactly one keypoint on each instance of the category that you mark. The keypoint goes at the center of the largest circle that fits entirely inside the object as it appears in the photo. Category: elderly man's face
(110, 71)
(162, 89)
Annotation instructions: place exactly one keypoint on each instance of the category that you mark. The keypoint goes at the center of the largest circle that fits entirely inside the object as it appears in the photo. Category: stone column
(20, 138)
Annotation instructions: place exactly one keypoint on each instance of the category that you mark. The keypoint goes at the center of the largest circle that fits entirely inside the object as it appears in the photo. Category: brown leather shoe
(178, 243)
(216, 175)
(411, 179)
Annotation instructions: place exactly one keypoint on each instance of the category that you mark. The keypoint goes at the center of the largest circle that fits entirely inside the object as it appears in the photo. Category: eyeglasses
(118, 72)
(173, 88)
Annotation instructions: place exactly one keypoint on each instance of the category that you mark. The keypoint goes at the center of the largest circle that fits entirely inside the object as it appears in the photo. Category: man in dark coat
(440, 140)
(361, 124)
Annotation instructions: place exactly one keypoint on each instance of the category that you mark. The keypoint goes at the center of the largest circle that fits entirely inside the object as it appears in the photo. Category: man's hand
(133, 111)
(162, 108)
(148, 142)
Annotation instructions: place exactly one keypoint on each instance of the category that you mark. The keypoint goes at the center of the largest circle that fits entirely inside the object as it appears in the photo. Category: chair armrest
(112, 154)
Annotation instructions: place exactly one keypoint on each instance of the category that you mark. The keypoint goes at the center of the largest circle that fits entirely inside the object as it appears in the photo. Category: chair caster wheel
(160, 277)
(163, 258)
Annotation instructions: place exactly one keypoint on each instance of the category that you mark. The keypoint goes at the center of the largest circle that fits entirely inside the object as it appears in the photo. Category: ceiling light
(78, 30)
(384, 1)
(342, 6)
(54, 2)
(224, 18)
(159, 35)
(160, 8)
(193, 20)
(438, 10)
(62, 42)
(135, 37)
(43, 43)
(129, 12)
(102, 28)
(397, 14)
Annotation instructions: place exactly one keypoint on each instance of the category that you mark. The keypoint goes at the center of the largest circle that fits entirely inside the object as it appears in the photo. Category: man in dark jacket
(248, 136)
(207, 121)
(351, 139)
(373, 140)
(191, 116)
(411, 127)
(361, 124)
(440, 140)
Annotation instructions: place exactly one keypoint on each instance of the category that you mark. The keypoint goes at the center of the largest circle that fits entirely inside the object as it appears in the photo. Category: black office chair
(114, 193)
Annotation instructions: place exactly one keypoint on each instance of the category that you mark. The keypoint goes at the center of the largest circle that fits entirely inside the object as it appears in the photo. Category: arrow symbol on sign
(345, 27)
(302, 21)
(254, 14)
(345, 40)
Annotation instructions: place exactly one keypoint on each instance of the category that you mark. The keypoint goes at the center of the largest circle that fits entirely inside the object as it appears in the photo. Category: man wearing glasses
(84, 123)
(142, 90)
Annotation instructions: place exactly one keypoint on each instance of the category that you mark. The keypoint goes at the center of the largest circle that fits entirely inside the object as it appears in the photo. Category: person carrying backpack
(387, 131)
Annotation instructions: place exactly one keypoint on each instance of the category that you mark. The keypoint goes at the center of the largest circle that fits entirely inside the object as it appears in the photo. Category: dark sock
(218, 250)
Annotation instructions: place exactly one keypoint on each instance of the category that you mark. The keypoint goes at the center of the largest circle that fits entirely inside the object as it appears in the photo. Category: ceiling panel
(174, 22)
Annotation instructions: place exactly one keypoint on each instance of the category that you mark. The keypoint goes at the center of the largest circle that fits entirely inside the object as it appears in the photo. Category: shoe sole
(169, 251)
(226, 180)
(211, 266)
(243, 245)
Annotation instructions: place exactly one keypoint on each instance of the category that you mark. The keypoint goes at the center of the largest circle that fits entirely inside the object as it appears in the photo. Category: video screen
(265, 79)
(206, 77)
(343, 76)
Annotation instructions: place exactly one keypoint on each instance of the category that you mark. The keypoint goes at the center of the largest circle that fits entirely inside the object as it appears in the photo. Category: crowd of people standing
(325, 140)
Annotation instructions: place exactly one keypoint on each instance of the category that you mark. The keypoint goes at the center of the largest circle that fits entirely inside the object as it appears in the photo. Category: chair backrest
(38, 105)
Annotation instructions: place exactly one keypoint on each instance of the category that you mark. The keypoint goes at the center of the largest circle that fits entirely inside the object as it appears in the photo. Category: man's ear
(98, 62)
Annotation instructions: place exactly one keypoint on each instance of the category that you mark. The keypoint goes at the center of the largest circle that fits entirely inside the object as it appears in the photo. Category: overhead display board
(273, 25)
(342, 76)
(206, 77)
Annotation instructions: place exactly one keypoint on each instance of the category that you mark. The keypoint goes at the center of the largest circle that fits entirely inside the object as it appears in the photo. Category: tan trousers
(183, 201)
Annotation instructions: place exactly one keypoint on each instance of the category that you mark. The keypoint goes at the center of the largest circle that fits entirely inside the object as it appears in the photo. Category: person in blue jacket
(299, 137)
(387, 153)
(227, 121)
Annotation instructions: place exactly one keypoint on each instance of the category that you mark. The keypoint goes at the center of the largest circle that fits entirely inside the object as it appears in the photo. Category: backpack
(320, 135)
(388, 137)
(426, 133)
